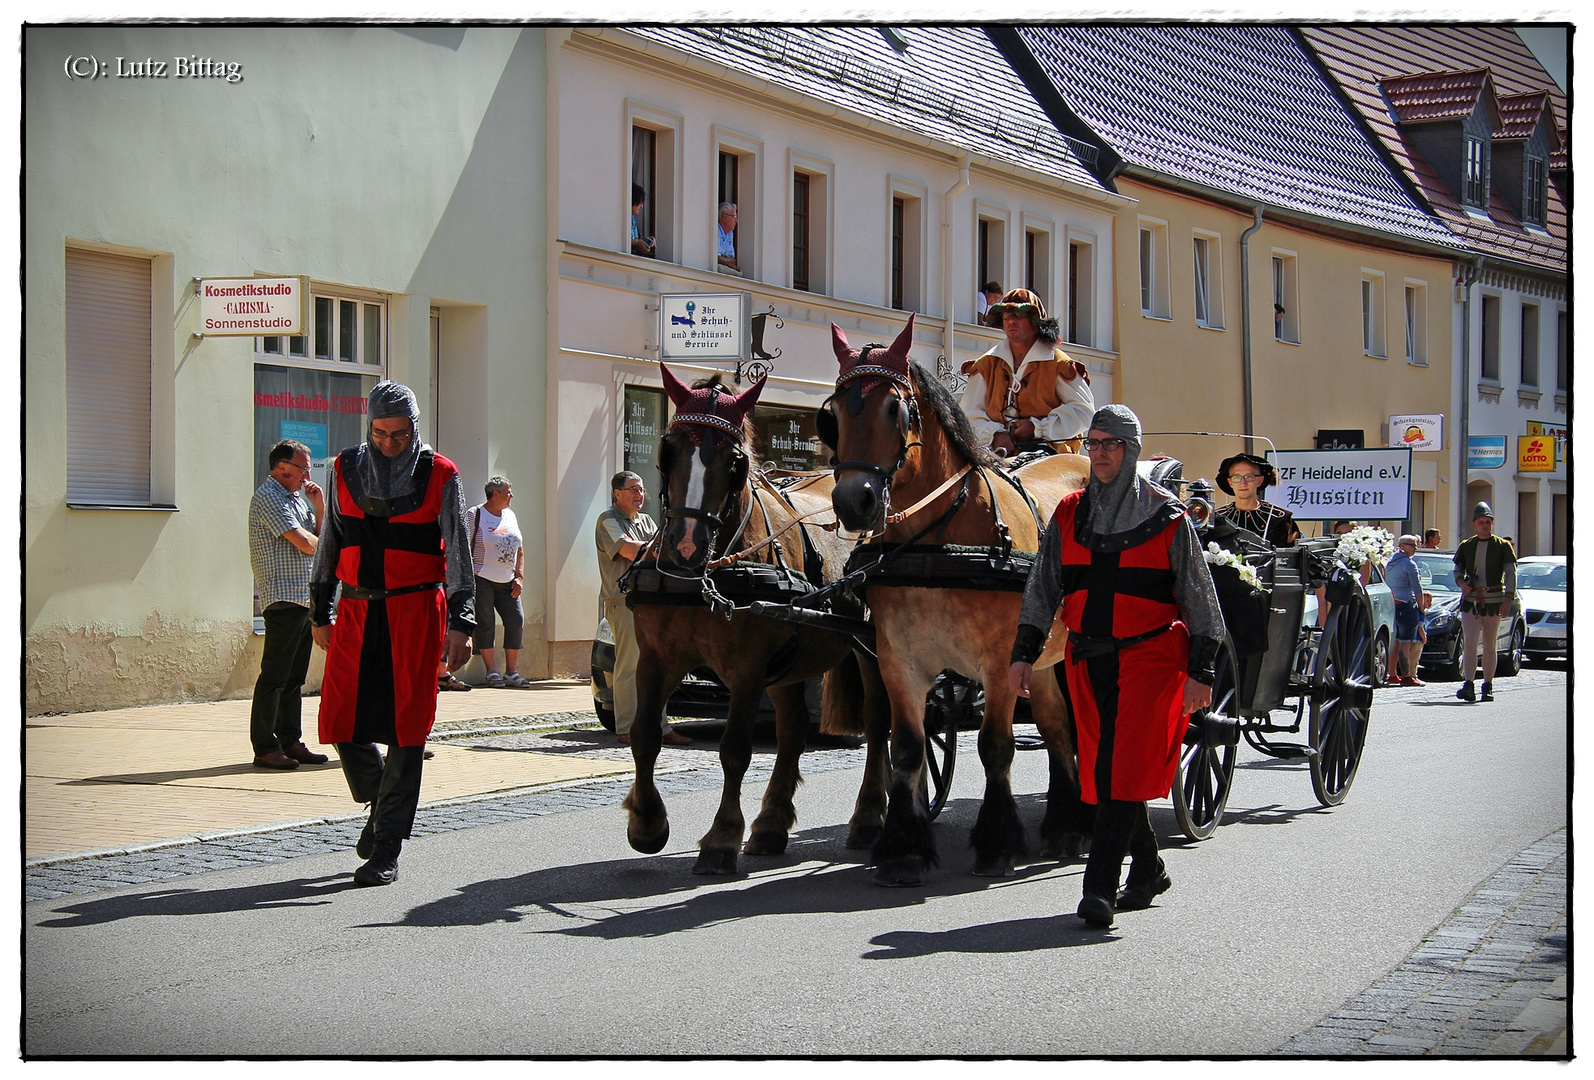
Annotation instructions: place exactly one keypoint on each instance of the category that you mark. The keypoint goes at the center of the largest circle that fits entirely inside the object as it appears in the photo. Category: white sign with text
(254, 307)
(1324, 485)
(1420, 431)
(704, 326)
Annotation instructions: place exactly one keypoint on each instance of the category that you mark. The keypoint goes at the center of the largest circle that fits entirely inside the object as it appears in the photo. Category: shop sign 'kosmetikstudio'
(1322, 485)
(704, 326)
(254, 306)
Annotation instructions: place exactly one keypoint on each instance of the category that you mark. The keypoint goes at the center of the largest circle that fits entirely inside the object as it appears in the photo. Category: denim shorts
(1408, 621)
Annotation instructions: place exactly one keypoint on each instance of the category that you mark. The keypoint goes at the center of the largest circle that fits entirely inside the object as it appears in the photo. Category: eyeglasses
(638, 490)
(391, 436)
(1112, 446)
(1244, 478)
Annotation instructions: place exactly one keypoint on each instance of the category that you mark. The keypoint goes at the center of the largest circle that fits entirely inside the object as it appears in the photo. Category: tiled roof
(1519, 116)
(1359, 58)
(950, 83)
(1438, 95)
(1237, 108)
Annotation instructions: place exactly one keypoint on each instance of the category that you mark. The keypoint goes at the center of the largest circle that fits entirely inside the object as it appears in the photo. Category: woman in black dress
(1247, 477)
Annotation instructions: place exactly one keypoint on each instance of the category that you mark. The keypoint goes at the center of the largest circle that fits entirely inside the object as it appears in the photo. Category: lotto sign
(1320, 485)
(1535, 453)
(704, 326)
(1556, 431)
(251, 307)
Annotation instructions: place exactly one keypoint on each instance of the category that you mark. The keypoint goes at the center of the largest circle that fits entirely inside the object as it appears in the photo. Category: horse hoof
(863, 836)
(1067, 846)
(765, 844)
(900, 873)
(1000, 866)
(715, 861)
(648, 843)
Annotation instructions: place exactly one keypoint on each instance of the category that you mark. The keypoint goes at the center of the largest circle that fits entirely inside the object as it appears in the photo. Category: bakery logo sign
(1417, 431)
(254, 307)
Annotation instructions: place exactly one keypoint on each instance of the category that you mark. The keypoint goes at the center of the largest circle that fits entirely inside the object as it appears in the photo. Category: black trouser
(1121, 828)
(274, 717)
(394, 785)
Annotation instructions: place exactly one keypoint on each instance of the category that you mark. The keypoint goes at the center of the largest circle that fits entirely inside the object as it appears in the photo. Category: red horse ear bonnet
(873, 362)
(709, 407)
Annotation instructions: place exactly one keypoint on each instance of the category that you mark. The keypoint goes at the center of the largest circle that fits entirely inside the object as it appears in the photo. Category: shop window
(642, 425)
(343, 330)
(321, 408)
(785, 436)
(1286, 298)
(109, 361)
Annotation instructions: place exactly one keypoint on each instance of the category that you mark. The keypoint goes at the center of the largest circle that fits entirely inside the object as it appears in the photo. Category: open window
(1286, 297)
(1208, 269)
(1154, 275)
(651, 229)
(1373, 314)
(1416, 320)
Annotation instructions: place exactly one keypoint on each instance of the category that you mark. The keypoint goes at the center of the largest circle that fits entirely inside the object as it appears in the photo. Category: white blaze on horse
(901, 440)
(730, 536)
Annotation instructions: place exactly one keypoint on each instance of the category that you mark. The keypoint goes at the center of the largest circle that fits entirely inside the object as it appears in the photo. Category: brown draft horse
(899, 437)
(717, 505)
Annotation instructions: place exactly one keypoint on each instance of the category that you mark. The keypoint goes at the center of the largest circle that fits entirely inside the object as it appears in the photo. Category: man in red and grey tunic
(395, 540)
(1122, 559)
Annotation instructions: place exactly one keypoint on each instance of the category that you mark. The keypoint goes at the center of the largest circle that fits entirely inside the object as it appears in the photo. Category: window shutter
(108, 359)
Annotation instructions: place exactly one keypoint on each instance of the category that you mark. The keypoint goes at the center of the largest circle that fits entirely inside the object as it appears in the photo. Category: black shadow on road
(1064, 930)
(301, 892)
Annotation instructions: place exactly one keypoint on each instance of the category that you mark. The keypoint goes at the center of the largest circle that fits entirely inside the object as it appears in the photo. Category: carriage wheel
(941, 714)
(1205, 771)
(1342, 698)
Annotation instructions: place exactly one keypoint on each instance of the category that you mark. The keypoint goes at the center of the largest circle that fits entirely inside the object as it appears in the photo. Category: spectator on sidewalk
(394, 540)
(623, 531)
(284, 526)
(1432, 540)
(1405, 585)
(1486, 571)
(498, 556)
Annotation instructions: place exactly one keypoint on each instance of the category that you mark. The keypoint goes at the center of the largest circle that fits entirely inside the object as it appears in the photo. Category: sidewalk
(104, 781)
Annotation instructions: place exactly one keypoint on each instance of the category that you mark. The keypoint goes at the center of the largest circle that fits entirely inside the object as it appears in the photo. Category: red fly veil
(873, 363)
(709, 407)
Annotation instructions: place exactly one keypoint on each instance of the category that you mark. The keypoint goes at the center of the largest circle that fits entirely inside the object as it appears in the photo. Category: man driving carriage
(1026, 393)
(1122, 559)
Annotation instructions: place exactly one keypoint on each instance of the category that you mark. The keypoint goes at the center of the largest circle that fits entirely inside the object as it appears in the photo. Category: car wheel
(1450, 668)
(1509, 662)
(605, 715)
(1381, 659)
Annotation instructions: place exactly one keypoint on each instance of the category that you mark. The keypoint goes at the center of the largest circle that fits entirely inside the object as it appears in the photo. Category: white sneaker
(495, 680)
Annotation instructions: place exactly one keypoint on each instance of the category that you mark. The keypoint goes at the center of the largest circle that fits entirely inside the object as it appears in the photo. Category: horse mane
(949, 414)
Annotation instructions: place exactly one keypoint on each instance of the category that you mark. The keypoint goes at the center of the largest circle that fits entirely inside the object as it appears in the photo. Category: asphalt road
(548, 935)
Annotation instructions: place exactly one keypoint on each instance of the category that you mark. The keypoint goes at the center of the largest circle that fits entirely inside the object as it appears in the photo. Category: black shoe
(1488, 691)
(275, 760)
(382, 867)
(304, 755)
(1138, 895)
(366, 844)
(1465, 693)
(1096, 910)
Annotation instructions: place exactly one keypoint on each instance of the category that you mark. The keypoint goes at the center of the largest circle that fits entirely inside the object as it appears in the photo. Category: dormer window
(1475, 180)
(1534, 192)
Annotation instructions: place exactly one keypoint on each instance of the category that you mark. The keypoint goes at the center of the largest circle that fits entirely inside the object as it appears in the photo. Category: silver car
(1541, 583)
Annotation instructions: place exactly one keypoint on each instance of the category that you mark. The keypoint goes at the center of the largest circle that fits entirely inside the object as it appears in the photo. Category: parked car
(1541, 583)
(701, 695)
(1442, 621)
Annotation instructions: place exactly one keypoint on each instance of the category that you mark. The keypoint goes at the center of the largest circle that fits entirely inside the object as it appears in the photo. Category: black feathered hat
(1269, 476)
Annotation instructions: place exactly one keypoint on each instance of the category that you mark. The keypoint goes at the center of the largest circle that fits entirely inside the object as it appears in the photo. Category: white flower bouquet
(1365, 543)
(1217, 556)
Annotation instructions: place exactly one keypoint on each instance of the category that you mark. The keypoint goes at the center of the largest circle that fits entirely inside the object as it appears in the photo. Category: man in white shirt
(1026, 391)
(726, 252)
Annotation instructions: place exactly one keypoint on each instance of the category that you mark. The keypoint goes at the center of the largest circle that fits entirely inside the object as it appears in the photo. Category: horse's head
(869, 423)
(703, 462)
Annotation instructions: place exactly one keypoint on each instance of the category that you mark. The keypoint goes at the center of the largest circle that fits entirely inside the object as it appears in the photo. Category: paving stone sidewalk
(1491, 981)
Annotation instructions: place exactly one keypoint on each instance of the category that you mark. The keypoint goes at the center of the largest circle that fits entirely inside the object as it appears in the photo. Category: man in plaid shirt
(284, 526)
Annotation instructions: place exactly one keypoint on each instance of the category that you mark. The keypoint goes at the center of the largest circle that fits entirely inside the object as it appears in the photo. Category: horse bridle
(719, 426)
(851, 384)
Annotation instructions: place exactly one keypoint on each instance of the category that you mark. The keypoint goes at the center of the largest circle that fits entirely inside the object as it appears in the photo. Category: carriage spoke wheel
(1205, 772)
(1342, 698)
(941, 714)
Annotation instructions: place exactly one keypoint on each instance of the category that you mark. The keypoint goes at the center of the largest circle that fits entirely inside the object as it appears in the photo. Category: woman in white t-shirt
(499, 559)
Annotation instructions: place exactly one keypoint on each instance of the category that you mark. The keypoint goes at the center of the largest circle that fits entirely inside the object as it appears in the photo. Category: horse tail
(841, 708)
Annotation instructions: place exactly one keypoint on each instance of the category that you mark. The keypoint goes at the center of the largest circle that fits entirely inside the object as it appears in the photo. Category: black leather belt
(1088, 648)
(354, 592)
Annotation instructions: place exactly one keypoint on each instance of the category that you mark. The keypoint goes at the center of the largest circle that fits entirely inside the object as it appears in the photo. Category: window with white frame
(1208, 267)
(1416, 320)
(1081, 291)
(1154, 297)
(1489, 367)
(1373, 320)
(906, 274)
(1530, 346)
(1286, 297)
(343, 330)
(109, 365)
(653, 230)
